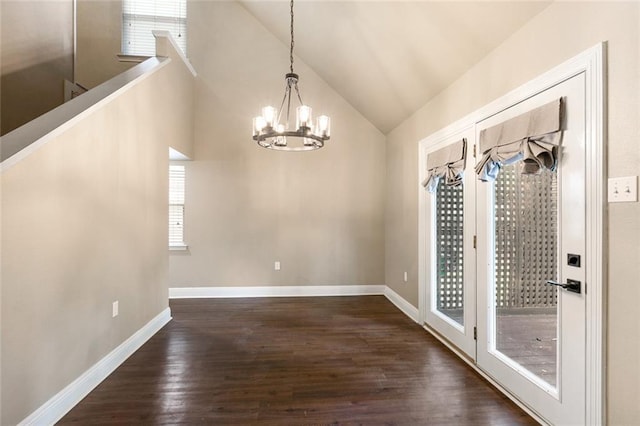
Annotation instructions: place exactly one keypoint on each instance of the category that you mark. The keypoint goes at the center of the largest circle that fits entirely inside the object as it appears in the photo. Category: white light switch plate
(623, 189)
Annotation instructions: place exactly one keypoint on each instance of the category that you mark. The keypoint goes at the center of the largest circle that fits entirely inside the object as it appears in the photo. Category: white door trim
(592, 63)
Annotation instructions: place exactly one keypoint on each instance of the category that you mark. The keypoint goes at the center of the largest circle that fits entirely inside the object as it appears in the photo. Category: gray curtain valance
(532, 137)
(447, 163)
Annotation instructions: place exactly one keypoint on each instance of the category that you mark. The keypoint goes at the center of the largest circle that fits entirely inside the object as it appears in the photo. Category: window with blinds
(176, 206)
(141, 17)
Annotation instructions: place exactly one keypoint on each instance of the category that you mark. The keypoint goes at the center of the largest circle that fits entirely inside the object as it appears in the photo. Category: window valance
(532, 137)
(447, 163)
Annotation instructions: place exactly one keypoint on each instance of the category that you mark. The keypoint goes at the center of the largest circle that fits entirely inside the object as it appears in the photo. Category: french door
(451, 300)
(505, 265)
(531, 230)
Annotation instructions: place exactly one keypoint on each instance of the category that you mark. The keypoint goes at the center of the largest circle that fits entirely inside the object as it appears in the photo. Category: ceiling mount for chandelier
(270, 132)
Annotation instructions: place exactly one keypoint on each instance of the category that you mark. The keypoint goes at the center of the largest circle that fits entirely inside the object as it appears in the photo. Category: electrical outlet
(406, 277)
(623, 189)
(276, 265)
(114, 309)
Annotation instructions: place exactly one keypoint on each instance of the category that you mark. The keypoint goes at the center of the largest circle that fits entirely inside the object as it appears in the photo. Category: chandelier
(270, 132)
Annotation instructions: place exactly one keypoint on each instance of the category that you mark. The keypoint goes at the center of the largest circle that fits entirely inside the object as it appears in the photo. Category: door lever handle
(571, 285)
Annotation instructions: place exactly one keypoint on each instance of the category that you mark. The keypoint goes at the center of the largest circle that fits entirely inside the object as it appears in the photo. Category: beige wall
(320, 214)
(36, 57)
(178, 86)
(84, 223)
(560, 32)
(99, 27)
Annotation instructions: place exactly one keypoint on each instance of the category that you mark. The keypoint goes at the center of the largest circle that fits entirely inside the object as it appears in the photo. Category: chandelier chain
(291, 48)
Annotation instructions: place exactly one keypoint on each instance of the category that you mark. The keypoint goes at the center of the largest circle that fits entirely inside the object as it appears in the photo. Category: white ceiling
(388, 58)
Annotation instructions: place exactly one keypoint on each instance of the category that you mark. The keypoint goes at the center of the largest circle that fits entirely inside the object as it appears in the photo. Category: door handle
(571, 285)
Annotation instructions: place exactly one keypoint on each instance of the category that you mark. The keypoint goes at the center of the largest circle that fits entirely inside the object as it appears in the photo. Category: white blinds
(141, 17)
(176, 205)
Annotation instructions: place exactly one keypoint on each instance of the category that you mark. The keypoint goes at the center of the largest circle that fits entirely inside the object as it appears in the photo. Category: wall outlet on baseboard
(114, 309)
(276, 265)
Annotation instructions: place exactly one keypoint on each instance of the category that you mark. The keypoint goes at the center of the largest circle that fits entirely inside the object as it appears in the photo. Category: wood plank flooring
(294, 361)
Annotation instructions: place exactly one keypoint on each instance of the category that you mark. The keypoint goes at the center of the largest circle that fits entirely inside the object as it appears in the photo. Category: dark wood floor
(294, 361)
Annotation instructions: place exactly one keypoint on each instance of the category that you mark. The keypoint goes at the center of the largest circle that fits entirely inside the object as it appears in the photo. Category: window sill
(178, 247)
(132, 58)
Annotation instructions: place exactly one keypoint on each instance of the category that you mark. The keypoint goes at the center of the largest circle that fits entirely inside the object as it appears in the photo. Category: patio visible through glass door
(526, 247)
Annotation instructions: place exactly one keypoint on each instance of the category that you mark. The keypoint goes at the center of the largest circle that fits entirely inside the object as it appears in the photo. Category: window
(176, 207)
(141, 17)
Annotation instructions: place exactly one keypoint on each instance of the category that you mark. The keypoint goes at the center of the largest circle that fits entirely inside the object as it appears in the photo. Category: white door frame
(592, 63)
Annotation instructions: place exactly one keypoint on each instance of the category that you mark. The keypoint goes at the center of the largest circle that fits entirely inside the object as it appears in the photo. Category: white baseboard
(407, 308)
(292, 291)
(61, 403)
(273, 291)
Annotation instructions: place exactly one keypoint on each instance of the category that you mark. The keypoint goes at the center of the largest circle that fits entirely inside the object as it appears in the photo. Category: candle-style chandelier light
(270, 132)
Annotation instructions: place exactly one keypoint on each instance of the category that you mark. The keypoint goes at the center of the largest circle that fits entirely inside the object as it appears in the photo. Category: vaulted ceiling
(389, 58)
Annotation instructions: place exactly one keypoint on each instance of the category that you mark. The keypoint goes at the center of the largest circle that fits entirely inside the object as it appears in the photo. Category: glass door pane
(449, 251)
(525, 257)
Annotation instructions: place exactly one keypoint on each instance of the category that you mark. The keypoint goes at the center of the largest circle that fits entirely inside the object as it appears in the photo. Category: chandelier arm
(284, 98)
(298, 93)
(288, 104)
